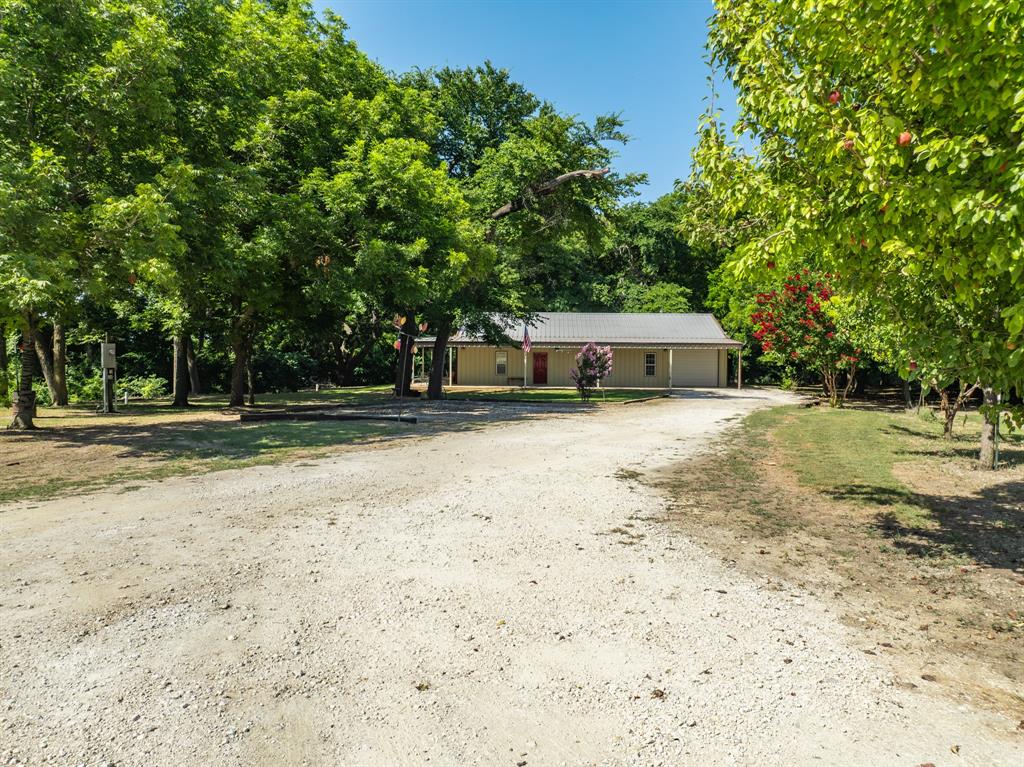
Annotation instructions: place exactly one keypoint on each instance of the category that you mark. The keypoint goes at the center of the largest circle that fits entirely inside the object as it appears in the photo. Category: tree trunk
(851, 381)
(403, 367)
(241, 346)
(987, 458)
(44, 353)
(436, 385)
(948, 413)
(828, 382)
(60, 366)
(948, 421)
(951, 408)
(240, 349)
(345, 370)
(252, 386)
(180, 374)
(906, 394)
(349, 355)
(4, 383)
(195, 385)
(25, 397)
(859, 384)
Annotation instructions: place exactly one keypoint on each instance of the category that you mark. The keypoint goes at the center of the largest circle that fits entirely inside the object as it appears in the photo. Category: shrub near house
(593, 363)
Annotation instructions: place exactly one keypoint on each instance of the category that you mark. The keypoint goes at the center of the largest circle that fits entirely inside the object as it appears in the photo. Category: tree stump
(24, 406)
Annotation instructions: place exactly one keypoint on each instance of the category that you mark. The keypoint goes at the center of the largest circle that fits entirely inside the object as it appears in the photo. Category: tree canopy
(885, 148)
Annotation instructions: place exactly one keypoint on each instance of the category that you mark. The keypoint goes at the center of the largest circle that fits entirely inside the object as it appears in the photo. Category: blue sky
(642, 58)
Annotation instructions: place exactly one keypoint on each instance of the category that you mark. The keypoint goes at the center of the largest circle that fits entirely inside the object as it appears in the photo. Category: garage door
(695, 367)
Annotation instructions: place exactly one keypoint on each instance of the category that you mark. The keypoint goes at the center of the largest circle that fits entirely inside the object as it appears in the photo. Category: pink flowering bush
(593, 363)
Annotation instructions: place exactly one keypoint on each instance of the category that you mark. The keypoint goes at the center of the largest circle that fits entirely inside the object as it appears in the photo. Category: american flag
(526, 340)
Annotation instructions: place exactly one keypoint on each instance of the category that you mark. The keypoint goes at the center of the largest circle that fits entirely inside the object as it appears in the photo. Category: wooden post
(670, 370)
(524, 368)
(739, 368)
(451, 370)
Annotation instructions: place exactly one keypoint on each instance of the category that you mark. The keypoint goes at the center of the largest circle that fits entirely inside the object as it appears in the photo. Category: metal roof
(636, 329)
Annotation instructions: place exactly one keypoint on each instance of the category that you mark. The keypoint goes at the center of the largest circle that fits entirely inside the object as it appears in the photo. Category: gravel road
(505, 595)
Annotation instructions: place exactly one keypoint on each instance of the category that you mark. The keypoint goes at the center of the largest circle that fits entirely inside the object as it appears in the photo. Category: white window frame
(501, 363)
(652, 365)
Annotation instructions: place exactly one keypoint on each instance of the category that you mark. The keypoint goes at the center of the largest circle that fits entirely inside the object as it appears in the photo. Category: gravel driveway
(497, 596)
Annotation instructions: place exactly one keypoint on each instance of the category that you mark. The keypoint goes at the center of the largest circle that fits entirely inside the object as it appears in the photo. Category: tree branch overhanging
(546, 188)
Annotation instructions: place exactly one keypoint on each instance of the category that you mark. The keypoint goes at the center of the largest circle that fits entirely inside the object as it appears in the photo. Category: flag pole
(526, 332)
(524, 366)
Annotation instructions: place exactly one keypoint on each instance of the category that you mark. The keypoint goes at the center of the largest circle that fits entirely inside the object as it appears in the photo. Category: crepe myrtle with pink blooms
(593, 363)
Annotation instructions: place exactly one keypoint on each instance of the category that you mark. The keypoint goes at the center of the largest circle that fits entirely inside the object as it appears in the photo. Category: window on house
(501, 363)
(649, 364)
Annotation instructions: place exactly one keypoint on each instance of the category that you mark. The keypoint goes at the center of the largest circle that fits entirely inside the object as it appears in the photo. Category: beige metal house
(650, 350)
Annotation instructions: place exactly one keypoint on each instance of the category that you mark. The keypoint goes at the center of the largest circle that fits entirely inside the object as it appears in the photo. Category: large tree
(531, 177)
(275, 100)
(886, 149)
(86, 102)
(648, 264)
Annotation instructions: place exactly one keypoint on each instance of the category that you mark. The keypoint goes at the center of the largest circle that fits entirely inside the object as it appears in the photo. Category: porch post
(739, 368)
(451, 370)
(524, 368)
(670, 370)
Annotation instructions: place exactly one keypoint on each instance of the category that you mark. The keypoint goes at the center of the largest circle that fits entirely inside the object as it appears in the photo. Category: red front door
(540, 368)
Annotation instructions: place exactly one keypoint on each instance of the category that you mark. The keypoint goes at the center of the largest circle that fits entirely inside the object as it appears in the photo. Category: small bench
(516, 381)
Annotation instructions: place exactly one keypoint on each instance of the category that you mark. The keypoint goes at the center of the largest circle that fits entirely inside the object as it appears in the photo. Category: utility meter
(108, 356)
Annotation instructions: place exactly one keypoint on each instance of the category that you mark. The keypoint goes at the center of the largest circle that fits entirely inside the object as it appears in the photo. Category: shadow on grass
(986, 527)
(1011, 451)
(210, 403)
(205, 439)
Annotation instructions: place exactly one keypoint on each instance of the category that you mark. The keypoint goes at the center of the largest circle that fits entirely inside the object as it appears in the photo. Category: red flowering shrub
(793, 325)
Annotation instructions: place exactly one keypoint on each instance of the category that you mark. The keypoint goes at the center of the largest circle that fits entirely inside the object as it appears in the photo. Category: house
(650, 350)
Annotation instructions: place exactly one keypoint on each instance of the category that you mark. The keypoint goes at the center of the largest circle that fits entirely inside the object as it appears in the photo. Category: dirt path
(502, 596)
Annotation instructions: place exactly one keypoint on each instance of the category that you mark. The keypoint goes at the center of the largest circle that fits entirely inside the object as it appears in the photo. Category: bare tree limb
(540, 190)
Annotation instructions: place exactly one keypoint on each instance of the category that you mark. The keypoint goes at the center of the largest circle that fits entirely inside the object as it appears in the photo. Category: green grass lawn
(75, 449)
(137, 456)
(86, 412)
(850, 454)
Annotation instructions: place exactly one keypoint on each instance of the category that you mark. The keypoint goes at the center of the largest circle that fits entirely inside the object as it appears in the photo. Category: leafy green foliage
(887, 145)
(479, 108)
(87, 105)
(659, 297)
